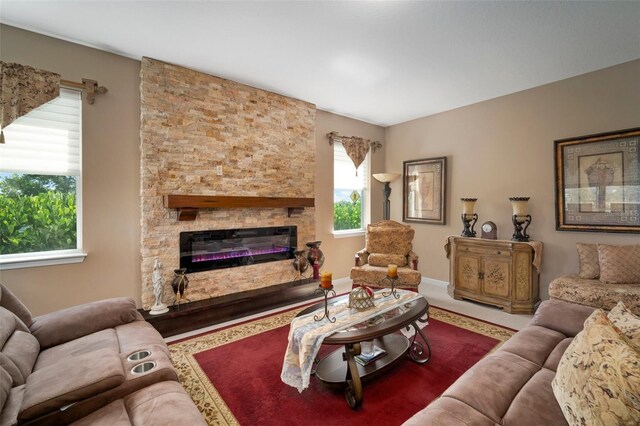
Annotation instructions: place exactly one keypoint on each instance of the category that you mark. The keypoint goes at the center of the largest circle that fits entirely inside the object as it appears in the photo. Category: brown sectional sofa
(512, 386)
(76, 365)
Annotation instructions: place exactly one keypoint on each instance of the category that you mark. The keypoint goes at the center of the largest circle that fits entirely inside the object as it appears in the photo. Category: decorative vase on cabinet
(495, 272)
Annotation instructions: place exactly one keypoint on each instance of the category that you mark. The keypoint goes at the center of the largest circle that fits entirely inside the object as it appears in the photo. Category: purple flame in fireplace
(239, 252)
(228, 248)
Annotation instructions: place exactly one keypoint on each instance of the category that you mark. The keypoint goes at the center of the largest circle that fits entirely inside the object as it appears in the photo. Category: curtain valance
(24, 89)
(356, 147)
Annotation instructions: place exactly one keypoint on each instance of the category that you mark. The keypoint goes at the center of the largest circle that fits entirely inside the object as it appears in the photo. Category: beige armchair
(387, 242)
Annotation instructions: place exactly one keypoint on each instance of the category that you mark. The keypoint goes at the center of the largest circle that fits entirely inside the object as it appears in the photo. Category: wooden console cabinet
(496, 272)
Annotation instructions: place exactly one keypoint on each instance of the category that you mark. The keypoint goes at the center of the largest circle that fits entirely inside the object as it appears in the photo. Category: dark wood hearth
(204, 313)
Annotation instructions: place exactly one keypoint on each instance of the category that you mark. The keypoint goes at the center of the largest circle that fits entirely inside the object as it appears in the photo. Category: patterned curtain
(357, 149)
(24, 89)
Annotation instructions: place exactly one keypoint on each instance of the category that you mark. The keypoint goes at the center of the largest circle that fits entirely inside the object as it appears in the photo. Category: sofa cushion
(563, 317)
(619, 264)
(22, 348)
(448, 411)
(595, 293)
(374, 276)
(105, 339)
(6, 382)
(10, 302)
(84, 376)
(626, 322)
(588, 260)
(382, 259)
(598, 378)
(161, 404)
(535, 404)
(9, 414)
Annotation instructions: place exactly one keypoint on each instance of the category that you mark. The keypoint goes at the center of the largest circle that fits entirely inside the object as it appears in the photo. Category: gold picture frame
(598, 182)
(424, 190)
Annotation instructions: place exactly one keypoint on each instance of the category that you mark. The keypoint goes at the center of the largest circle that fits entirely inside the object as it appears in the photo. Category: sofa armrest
(363, 257)
(563, 317)
(70, 380)
(68, 324)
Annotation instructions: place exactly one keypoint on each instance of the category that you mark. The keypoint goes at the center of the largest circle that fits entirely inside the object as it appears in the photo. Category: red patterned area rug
(233, 374)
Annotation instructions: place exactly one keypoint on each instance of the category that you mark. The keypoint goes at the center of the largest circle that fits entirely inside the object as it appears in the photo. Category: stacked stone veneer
(192, 122)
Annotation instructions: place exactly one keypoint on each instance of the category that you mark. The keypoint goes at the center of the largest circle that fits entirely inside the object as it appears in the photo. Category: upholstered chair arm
(363, 257)
(413, 260)
(68, 324)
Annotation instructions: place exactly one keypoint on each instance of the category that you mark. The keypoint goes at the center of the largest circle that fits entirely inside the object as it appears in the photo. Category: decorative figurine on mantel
(158, 289)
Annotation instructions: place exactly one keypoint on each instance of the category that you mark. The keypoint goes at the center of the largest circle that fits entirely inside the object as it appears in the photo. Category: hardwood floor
(435, 292)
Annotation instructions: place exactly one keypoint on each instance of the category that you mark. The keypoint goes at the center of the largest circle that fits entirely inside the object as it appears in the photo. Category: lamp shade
(519, 205)
(386, 177)
(468, 205)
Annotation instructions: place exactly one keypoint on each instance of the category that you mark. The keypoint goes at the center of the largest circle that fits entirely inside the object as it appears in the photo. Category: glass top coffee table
(340, 368)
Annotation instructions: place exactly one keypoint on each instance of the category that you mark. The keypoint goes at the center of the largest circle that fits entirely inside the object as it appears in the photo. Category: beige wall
(111, 176)
(340, 252)
(111, 182)
(504, 147)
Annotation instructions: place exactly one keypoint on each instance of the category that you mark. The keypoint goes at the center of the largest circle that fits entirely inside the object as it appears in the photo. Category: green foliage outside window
(347, 215)
(37, 213)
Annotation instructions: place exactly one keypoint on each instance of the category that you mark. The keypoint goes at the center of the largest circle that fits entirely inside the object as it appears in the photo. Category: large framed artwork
(598, 182)
(424, 190)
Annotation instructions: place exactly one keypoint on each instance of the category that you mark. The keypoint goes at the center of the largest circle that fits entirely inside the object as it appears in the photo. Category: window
(350, 192)
(40, 183)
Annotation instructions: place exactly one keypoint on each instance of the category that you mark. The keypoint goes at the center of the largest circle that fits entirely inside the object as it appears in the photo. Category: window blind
(344, 172)
(46, 141)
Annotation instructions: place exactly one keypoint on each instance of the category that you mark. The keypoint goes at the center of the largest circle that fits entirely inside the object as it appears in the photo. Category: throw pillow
(619, 264)
(380, 259)
(588, 260)
(598, 378)
(626, 322)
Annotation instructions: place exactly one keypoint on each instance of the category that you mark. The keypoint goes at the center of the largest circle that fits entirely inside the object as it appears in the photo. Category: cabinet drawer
(484, 251)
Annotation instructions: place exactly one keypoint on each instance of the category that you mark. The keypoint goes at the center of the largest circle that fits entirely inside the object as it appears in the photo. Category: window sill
(348, 234)
(33, 260)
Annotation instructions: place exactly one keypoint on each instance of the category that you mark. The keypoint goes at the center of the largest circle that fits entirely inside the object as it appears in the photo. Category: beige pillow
(626, 322)
(598, 378)
(588, 260)
(380, 259)
(619, 264)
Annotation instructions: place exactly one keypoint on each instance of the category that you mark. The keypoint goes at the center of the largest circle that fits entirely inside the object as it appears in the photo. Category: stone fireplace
(204, 135)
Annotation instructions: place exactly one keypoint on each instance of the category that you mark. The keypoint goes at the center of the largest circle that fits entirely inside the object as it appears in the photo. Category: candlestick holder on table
(326, 291)
(392, 282)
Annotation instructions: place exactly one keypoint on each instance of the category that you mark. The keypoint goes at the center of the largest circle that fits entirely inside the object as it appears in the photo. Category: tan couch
(387, 242)
(607, 275)
(512, 386)
(61, 367)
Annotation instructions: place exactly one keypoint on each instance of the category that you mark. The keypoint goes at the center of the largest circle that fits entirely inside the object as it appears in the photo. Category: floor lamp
(386, 178)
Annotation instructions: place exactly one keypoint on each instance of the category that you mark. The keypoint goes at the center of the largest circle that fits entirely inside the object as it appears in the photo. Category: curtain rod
(90, 87)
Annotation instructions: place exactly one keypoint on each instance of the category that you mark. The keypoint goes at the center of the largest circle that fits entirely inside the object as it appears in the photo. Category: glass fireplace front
(228, 248)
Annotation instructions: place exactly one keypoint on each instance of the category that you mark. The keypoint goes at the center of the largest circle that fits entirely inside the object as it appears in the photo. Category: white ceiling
(381, 62)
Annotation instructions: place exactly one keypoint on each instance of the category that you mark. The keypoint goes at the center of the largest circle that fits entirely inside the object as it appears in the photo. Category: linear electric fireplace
(228, 248)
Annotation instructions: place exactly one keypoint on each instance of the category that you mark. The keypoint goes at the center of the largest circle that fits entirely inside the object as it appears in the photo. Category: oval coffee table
(340, 368)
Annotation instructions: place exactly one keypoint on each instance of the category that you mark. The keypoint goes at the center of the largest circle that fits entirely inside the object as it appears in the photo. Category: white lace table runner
(306, 334)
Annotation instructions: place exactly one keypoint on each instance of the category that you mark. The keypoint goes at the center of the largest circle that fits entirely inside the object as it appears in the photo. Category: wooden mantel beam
(188, 205)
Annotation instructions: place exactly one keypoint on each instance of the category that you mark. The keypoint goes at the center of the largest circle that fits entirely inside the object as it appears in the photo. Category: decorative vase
(314, 253)
(179, 284)
(300, 262)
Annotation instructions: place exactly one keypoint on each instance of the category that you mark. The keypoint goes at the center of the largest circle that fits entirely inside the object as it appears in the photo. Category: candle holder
(519, 218)
(392, 282)
(469, 218)
(326, 292)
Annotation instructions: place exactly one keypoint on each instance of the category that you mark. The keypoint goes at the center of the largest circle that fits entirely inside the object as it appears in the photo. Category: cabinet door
(467, 273)
(497, 276)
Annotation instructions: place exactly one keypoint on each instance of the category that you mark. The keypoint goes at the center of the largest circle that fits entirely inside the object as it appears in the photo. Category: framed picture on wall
(424, 190)
(598, 182)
